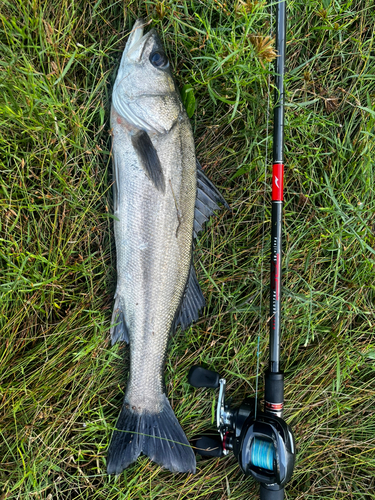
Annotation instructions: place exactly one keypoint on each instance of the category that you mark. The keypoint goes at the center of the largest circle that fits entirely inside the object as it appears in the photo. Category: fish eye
(159, 60)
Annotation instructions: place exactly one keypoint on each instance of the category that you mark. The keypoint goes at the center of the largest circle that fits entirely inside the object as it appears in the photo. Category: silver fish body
(156, 182)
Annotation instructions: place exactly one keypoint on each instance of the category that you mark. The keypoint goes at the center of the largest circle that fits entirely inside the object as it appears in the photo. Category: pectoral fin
(149, 159)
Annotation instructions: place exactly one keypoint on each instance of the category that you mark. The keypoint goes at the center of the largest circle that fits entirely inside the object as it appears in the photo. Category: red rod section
(277, 182)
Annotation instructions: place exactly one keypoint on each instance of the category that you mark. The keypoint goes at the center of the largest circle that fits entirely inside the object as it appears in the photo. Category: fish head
(145, 94)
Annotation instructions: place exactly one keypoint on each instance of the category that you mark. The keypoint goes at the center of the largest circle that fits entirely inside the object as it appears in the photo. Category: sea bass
(161, 200)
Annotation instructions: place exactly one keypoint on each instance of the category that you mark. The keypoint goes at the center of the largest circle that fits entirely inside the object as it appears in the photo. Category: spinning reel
(262, 442)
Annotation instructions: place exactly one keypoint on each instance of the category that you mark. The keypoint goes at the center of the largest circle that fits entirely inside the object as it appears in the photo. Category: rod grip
(274, 389)
(267, 494)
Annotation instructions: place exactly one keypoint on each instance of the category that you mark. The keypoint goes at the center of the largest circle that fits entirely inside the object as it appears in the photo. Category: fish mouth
(137, 40)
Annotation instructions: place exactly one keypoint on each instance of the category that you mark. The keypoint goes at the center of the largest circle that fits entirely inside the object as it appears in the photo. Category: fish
(161, 199)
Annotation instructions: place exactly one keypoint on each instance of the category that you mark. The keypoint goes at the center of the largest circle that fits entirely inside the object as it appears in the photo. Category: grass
(61, 384)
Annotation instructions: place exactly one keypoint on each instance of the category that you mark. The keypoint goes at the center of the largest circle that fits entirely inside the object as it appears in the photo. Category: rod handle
(274, 392)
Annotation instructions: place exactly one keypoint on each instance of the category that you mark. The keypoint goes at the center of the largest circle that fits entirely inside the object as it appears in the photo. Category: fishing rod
(262, 441)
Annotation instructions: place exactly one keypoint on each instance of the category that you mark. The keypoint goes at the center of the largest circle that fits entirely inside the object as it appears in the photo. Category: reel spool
(262, 443)
(262, 454)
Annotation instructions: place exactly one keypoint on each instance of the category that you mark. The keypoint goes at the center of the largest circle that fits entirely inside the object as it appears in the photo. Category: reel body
(262, 442)
(265, 449)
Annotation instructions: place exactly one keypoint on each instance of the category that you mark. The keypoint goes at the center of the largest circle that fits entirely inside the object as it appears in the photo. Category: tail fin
(157, 435)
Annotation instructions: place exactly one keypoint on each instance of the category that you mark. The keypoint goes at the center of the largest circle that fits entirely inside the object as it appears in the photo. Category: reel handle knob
(268, 494)
(208, 446)
(201, 377)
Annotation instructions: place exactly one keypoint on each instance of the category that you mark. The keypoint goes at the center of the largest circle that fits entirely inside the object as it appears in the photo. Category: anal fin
(118, 329)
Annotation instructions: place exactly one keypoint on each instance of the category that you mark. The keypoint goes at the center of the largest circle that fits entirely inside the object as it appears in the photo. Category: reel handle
(267, 494)
(201, 377)
(208, 446)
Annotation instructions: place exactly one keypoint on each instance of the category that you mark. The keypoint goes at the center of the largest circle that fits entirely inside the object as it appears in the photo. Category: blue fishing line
(262, 453)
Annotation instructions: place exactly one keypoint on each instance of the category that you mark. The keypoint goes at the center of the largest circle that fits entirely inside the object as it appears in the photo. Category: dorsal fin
(206, 203)
(208, 198)
(192, 302)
